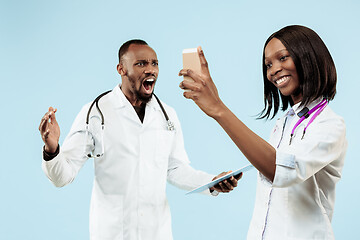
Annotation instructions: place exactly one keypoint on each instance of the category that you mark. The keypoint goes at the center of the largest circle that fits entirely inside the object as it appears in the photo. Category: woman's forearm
(259, 152)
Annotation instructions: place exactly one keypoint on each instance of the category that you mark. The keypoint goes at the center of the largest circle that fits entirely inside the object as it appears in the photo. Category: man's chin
(145, 98)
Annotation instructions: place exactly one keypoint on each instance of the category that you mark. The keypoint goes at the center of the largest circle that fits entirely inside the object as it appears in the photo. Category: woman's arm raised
(204, 93)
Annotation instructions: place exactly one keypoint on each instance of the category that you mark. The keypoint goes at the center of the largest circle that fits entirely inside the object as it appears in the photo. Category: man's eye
(155, 64)
(141, 64)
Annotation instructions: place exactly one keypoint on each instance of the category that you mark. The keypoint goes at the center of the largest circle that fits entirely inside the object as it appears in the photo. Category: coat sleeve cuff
(285, 159)
(49, 156)
(285, 169)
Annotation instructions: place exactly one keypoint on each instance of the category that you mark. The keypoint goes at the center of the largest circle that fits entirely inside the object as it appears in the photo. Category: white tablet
(216, 181)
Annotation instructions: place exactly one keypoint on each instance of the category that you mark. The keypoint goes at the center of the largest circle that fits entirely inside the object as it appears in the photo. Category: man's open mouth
(148, 85)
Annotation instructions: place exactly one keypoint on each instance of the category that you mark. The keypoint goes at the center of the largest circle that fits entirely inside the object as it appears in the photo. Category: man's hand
(228, 184)
(50, 131)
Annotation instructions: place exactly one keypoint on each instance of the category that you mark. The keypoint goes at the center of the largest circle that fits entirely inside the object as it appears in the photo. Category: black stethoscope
(169, 124)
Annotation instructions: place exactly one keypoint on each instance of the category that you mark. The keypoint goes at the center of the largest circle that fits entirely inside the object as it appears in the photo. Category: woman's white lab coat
(128, 198)
(299, 203)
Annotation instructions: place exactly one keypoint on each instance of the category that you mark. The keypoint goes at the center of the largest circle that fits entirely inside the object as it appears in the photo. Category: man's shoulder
(167, 106)
(103, 99)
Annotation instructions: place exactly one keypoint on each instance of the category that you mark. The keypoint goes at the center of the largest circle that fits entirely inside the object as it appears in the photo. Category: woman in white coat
(301, 164)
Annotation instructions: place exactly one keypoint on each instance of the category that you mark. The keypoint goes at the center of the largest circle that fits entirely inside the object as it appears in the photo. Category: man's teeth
(148, 83)
(281, 80)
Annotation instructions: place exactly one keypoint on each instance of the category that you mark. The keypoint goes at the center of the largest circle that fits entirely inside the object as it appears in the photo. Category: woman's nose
(275, 68)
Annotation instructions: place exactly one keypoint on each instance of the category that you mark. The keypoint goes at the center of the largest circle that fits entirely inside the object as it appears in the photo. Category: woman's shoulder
(331, 120)
(331, 115)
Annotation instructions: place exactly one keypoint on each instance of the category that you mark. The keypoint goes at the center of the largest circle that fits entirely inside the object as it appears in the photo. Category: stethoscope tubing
(96, 102)
(170, 125)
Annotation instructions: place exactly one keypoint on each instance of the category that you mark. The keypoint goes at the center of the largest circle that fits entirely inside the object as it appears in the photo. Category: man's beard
(143, 98)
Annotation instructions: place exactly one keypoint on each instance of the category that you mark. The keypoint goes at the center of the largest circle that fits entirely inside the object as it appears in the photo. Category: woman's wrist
(220, 111)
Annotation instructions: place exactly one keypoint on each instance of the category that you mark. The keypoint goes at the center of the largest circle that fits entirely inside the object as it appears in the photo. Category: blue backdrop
(64, 53)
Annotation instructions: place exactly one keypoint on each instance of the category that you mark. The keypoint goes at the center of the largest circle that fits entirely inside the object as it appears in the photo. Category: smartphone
(191, 61)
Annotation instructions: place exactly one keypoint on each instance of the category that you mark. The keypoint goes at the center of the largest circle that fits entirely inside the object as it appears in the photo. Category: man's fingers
(222, 174)
(44, 122)
(233, 181)
(228, 185)
(41, 124)
(49, 116)
(52, 116)
(45, 135)
(239, 176)
(221, 187)
(203, 62)
(224, 187)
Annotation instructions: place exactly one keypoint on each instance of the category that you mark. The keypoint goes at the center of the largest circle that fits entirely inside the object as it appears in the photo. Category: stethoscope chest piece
(170, 125)
(99, 149)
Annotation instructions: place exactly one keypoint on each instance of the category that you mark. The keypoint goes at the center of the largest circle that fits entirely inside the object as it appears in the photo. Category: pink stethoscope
(305, 113)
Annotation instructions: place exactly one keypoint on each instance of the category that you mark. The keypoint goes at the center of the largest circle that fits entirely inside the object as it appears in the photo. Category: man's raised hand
(50, 130)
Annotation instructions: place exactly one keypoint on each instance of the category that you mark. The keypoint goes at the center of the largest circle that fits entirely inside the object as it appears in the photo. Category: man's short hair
(124, 48)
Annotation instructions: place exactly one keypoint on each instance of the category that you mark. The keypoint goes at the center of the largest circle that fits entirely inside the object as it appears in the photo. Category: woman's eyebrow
(275, 53)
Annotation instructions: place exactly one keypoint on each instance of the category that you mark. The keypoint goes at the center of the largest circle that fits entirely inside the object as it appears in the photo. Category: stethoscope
(169, 124)
(305, 113)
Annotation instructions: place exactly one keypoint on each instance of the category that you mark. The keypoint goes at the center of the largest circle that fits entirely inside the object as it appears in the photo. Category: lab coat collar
(296, 108)
(121, 100)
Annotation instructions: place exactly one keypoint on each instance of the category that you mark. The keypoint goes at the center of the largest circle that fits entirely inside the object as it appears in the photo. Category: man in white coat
(134, 151)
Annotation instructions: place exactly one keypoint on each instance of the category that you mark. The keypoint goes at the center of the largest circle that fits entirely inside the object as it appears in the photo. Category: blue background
(64, 53)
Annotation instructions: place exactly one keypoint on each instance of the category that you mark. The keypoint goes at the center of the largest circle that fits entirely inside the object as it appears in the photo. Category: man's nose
(151, 70)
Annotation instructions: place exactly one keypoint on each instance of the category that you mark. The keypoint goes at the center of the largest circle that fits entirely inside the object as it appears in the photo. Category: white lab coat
(299, 203)
(128, 198)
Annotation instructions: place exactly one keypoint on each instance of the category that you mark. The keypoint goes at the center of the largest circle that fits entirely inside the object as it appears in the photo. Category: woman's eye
(268, 66)
(283, 58)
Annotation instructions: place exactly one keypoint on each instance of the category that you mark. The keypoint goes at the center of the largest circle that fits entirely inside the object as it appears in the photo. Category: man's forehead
(140, 52)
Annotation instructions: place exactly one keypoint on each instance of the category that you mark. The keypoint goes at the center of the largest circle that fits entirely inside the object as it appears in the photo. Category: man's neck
(131, 97)
(140, 111)
(138, 105)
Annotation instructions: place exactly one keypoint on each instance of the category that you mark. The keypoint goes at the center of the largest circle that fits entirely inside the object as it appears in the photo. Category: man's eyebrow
(147, 60)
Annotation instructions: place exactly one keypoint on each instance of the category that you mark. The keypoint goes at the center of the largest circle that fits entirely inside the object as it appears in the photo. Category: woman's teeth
(281, 80)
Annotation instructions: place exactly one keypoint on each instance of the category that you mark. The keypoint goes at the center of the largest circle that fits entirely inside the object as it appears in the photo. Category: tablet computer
(216, 181)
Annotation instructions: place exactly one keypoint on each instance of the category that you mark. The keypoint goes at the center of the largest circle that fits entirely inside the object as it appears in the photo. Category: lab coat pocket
(107, 218)
(164, 143)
